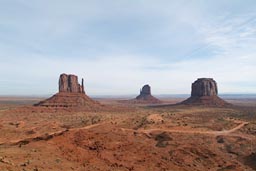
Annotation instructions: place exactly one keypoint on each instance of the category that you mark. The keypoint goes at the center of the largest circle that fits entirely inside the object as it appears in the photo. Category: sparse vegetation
(128, 139)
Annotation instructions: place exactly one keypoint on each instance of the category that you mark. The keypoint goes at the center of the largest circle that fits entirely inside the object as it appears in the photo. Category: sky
(117, 46)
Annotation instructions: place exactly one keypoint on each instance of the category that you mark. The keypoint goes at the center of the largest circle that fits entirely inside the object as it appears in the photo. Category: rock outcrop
(145, 96)
(71, 94)
(146, 90)
(205, 92)
(204, 87)
(69, 83)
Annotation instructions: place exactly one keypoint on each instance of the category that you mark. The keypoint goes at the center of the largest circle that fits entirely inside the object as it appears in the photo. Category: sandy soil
(135, 138)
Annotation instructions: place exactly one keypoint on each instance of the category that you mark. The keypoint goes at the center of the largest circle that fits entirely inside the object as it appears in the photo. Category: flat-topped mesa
(69, 83)
(204, 87)
(205, 92)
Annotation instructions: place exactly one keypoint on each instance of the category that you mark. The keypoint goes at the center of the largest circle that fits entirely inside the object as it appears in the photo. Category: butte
(145, 96)
(205, 92)
(71, 95)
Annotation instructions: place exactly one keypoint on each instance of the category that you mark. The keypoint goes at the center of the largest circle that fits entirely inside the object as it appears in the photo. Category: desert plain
(127, 137)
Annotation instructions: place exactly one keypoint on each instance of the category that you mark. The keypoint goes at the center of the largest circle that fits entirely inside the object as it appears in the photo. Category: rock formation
(145, 96)
(204, 87)
(71, 94)
(205, 92)
(69, 83)
(146, 90)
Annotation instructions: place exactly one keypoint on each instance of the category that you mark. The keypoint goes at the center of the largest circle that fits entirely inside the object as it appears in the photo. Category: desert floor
(127, 137)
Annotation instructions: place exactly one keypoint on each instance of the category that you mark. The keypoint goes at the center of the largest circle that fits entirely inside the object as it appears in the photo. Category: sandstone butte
(145, 96)
(205, 92)
(71, 95)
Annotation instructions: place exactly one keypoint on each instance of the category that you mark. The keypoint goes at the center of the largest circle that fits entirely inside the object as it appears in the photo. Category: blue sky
(118, 46)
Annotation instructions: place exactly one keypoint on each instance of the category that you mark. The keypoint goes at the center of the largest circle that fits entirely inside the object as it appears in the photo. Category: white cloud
(89, 40)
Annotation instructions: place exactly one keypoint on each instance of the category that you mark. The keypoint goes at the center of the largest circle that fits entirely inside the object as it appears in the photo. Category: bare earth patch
(128, 138)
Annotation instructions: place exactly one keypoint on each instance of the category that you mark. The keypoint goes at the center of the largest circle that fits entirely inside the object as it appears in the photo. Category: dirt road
(216, 133)
(147, 132)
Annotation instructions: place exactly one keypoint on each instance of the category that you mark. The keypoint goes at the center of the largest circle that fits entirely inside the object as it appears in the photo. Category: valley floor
(128, 138)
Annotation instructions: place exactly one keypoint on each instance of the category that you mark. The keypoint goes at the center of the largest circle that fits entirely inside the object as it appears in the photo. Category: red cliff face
(205, 92)
(71, 94)
(204, 87)
(69, 83)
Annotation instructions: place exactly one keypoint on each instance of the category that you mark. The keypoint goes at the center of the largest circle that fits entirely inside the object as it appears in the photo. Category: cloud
(118, 46)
